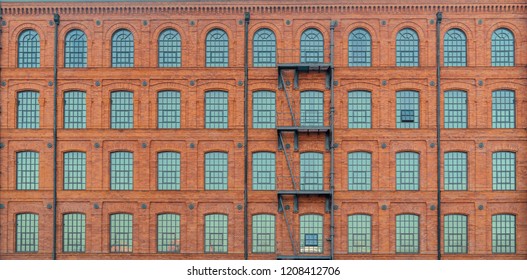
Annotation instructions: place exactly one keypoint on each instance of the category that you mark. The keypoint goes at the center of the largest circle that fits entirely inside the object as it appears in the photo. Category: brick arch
(263, 150)
(28, 86)
(62, 39)
(77, 85)
(457, 25)
(202, 42)
(458, 85)
(519, 52)
(508, 85)
(324, 30)
(15, 35)
(107, 42)
(154, 41)
(411, 25)
(121, 86)
(173, 85)
(265, 25)
(360, 25)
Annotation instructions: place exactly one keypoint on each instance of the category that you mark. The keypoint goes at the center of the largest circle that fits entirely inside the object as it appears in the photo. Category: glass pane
(264, 109)
(217, 49)
(264, 48)
(407, 48)
(29, 49)
(121, 239)
(407, 109)
(27, 170)
(75, 109)
(74, 233)
(26, 233)
(503, 171)
(312, 47)
(359, 171)
(455, 171)
(502, 47)
(455, 48)
(455, 109)
(407, 234)
(359, 234)
(169, 44)
(311, 171)
(168, 171)
(75, 171)
(123, 49)
(359, 109)
(264, 171)
(503, 109)
(216, 171)
(168, 109)
(216, 233)
(28, 110)
(75, 49)
(122, 171)
(263, 233)
(216, 109)
(407, 171)
(168, 237)
(359, 48)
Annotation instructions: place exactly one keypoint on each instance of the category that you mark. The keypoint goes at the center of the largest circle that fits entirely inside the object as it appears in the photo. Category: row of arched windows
(264, 48)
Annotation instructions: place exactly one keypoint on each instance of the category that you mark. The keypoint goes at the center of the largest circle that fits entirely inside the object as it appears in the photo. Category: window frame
(175, 173)
(362, 249)
(271, 171)
(126, 49)
(33, 54)
(120, 186)
(316, 227)
(454, 230)
(224, 231)
(166, 99)
(498, 175)
(163, 44)
(365, 43)
(127, 223)
(498, 110)
(261, 224)
(260, 101)
(455, 108)
(209, 169)
(456, 158)
(269, 47)
(413, 186)
(222, 48)
(28, 109)
(33, 168)
(216, 108)
(511, 52)
(410, 46)
(75, 99)
(34, 231)
(81, 234)
(398, 240)
(363, 100)
(75, 56)
(312, 49)
(407, 100)
(494, 237)
(161, 226)
(455, 48)
(122, 110)
(78, 167)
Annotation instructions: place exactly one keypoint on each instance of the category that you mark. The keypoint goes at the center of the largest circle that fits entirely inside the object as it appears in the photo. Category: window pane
(455, 171)
(456, 234)
(359, 48)
(27, 233)
(503, 171)
(216, 233)
(502, 47)
(455, 109)
(27, 170)
(407, 234)
(312, 47)
(264, 171)
(359, 109)
(216, 109)
(359, 171)
(312, 108)
(503, 234)
(123, 49)
(407, 111)
(263, 234)
(503, 111)
(217, 49)
(359, 234)
(122, 171)
(311, 239)
(168, 171)
(407, 171)
(264, 48)
(122, 110)
(75, 49)
(264, 109)
(168, 238)
(28, 111)
(75, 109)
(311, 171)
(407, 48)
(28, 49)
(168, 109)
(169, 44)
(455, 48)
(75, 171)
(216, 171)
(121, 239)
(74, 233)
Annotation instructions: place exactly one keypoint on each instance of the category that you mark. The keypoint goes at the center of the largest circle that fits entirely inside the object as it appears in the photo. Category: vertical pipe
(439, 18)
(56, 19)
(246, 138)
(332, 135)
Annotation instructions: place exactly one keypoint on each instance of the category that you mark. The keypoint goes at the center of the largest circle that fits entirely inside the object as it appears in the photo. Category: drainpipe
(332, 135)
(56, 19)
(439, 18)
(246, 138)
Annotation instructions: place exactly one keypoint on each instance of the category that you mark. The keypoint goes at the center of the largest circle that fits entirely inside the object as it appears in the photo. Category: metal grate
(359, 171)
(311, 234)
(27, 170)
(28, 110)
(168, 233)
(27, 232)
(121, 233)
(359, 234)
(503, 171)
(216, 109)
(503, 111)
(216, 233)
(217, 49)
(264, 237)
(455, 230)
(407, 234)
(169, 49)
(455, 109)
(75, 171)
(407, 109)
(407, 48)
(216, 171)
(407, 171)
(264, 109)
(455, 171)
(311, 108)
(359, 109)
(28, 49)
(455, 48)
(311, 171)
(121, 171)
(122, 115)
(75, 49)
(502, 47)
(75, 109)
(264, 48)
(359, 48)
(74, 233)
(168, 109)
(312, 46)
(168, 171)
(123, 48)
(264, 171)
(503, 234)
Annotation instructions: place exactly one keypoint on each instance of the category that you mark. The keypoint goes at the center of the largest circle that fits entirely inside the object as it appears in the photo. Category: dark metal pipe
(332, 141)
(56, 19)
(246, 139)
(439, 18)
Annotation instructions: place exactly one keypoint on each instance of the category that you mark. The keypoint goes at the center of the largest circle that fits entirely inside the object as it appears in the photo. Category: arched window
(75, 49)
(28, 110)
(75, 109)
(168, 233)
(264, 171)
(359, 171)
(121, 233)
(503, 234)
(502, 47)
(216, 171)
(27, 170)
(407, 234)
(407, 109)
(169, 48)
(455, 48)
(311, 231)
(217, 49)
(359, 109)
(455, 234)
(122, 110)
(359, 48)
(455, 171)
(503, 109)
(407, 48)
(311, 108)
(216, 109)
(407, 171)
(455, 109)
(312, 46)
(74, 233)
(168, 109)
(26, 233)
(264, 109)
(359, 234)
(122, 171)
(264, 48)
(28, 49)
(75, 171)
(122, 48)
(503, 171)
(311, 171)
(264, 238)
(168, 171)
(216, 233)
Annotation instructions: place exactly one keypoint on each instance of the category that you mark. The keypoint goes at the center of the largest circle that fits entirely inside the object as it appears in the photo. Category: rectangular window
(455, 109)
(311, 239)
(27, 233)
(74, 233)
(312, 108)
(407, 234)
(359, 234)
(168, 109)
(359, 109)
(311, 171)
(407, 171)
(503, 111)
(168, 238)
(216, 171)
(359, 171)
(216, 109)
(75, 171)
(168, 171)
(27, 170)
(75, 109)
(122, 110)
(264, 171)
(407, 109)
(122, 171)
(455, 234)
(263, 233)
(503, 171)
(503, 234)
(121, 233)
(216, 233)
(455, 171)
(264, 109)
(28, 110)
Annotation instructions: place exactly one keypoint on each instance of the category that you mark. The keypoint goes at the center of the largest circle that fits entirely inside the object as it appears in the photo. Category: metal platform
(297, 193)
(302, 129)
(304, 67)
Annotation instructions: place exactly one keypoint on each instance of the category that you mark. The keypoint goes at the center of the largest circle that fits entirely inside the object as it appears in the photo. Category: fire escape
(310, 62)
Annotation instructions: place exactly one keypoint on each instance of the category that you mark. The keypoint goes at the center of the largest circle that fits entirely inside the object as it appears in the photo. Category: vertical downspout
(332, 135)
(246, 138)
(56, 19)
(439, 18)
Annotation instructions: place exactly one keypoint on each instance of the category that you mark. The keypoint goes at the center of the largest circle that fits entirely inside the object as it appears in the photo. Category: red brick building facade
(386, 76)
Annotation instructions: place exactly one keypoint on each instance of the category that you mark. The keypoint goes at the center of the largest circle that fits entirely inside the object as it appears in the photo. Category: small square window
(407, 115)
